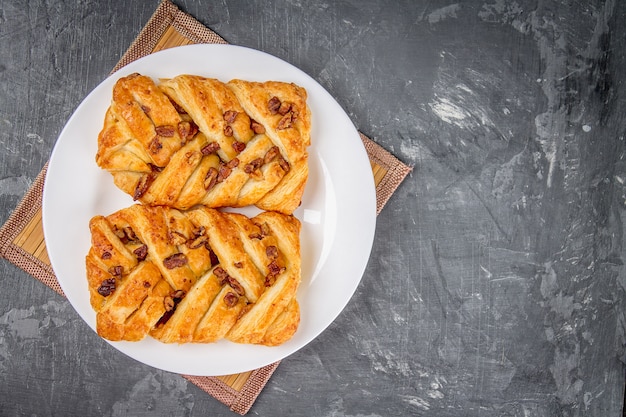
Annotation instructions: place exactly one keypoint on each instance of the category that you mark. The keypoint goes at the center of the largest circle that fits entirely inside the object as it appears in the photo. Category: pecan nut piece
(253, 165)
(155, 145)
(221, 275)
(271, 252)
(197, 242)
(187, 129)
(230, 115)
(171, 301)
(275, 269)
(130, 234)
(166, 131)
(223, 172)
(273, 105)
(168, 303)
(226, 169)
(178, 295)
(211, 178)
(284, 164)
(175, 261)
(210, 148)
(285, 107)
(257, 127)
(176, 238)
(271, 154)
(178, 107)
(286, 121)
(116, 271)
(235, 285)
(144, 183)
(238, 146)
(141, 252)
(107, 287)
(231, 299)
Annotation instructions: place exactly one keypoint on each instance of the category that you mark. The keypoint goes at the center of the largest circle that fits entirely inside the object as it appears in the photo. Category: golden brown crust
(193, 140)
(195, 276)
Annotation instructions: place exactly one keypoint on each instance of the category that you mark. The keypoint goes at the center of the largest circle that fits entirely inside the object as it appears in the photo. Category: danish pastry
(192, 140)
(195, 276)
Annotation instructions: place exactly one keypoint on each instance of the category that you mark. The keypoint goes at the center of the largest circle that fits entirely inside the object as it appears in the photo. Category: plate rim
(371, 197)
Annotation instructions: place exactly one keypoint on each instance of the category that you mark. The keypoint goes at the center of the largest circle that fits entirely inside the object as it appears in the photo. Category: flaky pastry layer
(194, 276)
(191, 140)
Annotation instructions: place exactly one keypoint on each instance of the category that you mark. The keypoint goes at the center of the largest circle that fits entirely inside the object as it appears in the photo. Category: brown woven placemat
(21, 237)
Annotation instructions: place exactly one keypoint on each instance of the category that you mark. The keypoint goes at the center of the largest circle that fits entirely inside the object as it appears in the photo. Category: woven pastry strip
(199, 275)
(192, 140)
(22, 240)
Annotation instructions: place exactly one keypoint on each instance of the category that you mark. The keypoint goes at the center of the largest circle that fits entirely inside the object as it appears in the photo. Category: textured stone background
(496, 281)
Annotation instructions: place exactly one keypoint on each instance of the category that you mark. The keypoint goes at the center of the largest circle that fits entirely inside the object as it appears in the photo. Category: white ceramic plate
(338, 211)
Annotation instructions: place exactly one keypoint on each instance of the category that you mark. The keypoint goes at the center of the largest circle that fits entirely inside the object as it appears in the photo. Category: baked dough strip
(194, 276)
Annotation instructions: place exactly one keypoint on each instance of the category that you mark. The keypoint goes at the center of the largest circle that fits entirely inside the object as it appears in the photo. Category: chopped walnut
(155, 169)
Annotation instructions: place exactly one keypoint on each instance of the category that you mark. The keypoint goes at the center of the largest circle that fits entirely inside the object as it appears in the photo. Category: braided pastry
(195, 276)
(192, 140)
